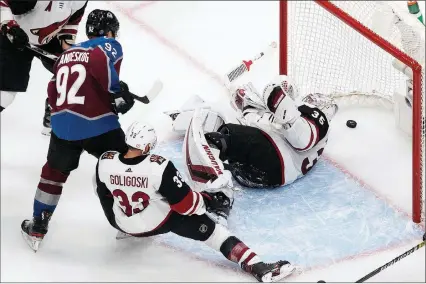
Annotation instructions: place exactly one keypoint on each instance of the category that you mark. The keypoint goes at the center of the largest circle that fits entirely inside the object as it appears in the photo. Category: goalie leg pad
(213, 121)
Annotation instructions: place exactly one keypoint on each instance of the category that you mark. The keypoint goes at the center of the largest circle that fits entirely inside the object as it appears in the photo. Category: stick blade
(155, 90)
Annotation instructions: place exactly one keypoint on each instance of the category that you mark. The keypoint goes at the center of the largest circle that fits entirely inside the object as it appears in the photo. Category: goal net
(360, 52)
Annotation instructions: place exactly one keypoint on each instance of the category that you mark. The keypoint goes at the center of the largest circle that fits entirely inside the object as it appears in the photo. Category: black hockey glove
(15, 34)
(123, 100)
(217, 202)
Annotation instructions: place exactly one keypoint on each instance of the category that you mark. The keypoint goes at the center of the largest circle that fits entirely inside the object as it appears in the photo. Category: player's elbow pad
(192, 203)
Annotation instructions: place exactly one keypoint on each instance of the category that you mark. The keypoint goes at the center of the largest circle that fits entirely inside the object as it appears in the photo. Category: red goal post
(303, 35)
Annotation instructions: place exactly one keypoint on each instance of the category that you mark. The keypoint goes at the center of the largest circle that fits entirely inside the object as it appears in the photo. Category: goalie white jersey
(138, 194)
(295, 163)
(258, 155)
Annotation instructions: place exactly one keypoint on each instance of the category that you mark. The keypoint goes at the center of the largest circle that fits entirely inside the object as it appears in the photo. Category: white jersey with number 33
(145, 190)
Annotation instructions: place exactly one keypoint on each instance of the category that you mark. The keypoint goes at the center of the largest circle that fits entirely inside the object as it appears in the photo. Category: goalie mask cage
(330, 47)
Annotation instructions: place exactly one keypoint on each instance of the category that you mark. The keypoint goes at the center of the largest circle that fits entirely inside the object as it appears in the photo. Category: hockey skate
(34, 231)
(269, 272)
(47, 128)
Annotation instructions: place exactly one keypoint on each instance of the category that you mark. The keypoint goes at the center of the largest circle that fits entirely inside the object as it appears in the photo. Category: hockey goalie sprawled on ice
(273, 139)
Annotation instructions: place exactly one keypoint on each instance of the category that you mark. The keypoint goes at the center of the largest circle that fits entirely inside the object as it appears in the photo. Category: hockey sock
(49, 190)
(231, 247)
(237, 251)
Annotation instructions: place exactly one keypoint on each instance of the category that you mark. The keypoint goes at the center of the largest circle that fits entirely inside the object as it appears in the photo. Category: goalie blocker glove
(15, 34)
(123, 100)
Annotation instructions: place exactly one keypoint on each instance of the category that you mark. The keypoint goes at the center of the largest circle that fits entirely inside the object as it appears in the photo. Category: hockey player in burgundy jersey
(143, 194)
(51, 25)
(86, 95)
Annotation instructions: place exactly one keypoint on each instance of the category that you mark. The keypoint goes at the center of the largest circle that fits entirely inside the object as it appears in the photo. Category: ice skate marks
(318, 220)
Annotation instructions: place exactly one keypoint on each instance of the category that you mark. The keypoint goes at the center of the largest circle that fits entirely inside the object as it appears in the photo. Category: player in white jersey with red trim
(50, 25)
(143, 194)
(285, 137)
(274, 140)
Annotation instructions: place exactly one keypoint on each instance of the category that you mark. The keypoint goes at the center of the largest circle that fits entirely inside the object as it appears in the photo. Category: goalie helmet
(141, 136)
(272, 93)
(323, 102)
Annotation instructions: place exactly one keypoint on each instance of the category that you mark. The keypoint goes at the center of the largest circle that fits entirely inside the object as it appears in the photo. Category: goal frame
(417, 176)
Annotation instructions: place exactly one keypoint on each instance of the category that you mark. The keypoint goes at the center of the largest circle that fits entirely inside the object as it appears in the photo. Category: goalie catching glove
(247, 97)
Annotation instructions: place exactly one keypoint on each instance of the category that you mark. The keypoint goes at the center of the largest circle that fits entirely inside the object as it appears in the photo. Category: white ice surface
(157, 41)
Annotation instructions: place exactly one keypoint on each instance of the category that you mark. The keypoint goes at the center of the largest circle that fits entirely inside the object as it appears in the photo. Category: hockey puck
(351, 123)
(321, 281)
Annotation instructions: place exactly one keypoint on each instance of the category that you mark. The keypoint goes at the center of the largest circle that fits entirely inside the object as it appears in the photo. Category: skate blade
(285, 271)
(46, 131)
(32, 242)
(122, 236)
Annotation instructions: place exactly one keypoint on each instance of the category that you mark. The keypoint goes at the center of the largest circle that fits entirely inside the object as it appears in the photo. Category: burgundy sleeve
(117, 65)
(52, 92)
(104, 71)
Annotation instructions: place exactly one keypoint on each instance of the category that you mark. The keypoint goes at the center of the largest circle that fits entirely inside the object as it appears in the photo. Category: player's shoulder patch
(108, 155)
(157, 159)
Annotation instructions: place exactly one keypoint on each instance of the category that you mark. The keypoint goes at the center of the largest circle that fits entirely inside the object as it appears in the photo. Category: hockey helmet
(325, 103)
(100, 22)
(141, 136)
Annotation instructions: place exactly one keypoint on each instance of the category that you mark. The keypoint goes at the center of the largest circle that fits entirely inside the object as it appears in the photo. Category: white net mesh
(325, 55)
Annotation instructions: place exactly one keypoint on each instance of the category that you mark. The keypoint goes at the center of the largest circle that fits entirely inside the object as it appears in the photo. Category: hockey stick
(40, 52)
(393, 261)
(244, 67)
(153, 92)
